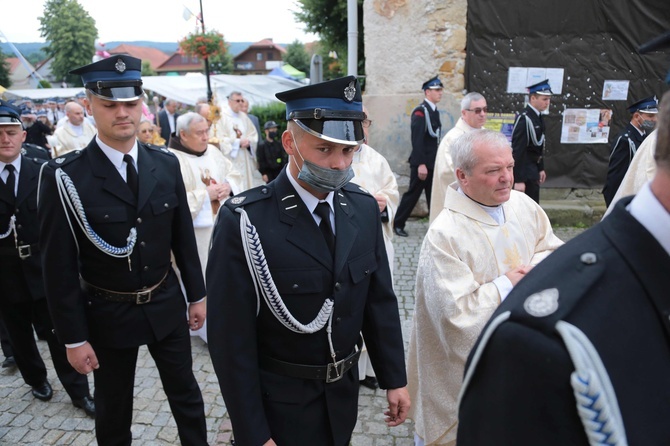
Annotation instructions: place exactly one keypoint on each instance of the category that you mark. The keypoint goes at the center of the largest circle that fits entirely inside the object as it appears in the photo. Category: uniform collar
(310, 200)
(115, 156)
(651, 214)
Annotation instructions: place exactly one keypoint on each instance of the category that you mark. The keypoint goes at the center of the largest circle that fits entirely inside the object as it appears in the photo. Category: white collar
(310, 200)
(651, 214)
(534, 109)
(432, 106)
(115, 156)
(495, 212)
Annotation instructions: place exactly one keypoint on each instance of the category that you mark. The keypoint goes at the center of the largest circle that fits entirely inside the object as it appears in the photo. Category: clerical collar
(176, 144)
(496, 212)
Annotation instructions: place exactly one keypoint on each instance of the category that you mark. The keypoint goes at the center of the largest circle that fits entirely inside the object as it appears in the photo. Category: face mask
(647, 125)
(272, 135)
(323, 180)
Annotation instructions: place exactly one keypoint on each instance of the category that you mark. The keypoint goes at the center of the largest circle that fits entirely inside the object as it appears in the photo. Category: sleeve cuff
(504, 286)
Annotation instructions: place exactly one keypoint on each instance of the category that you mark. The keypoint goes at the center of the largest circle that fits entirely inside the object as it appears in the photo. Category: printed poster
(615, 90)
(586, 126)
(519, 78)
(501, 122)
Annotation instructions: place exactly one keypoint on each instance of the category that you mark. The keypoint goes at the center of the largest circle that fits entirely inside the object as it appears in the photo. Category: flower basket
(203, 45)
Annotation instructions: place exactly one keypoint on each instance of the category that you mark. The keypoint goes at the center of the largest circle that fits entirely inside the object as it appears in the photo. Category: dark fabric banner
(593, 41)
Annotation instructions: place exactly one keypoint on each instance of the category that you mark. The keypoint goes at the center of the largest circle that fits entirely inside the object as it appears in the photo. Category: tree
(147, 70)
(5, 81)
(297, 56)
(70, 32)
(222, 63)
(328, 19)
(35, 57)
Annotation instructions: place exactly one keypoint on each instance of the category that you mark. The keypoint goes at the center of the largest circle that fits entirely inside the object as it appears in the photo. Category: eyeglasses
(238, 100)
(478, 110)
(366, 123)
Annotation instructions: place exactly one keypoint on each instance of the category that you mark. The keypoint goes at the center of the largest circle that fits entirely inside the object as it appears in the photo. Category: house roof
(262, 44)
(155, 56)
(166, 66)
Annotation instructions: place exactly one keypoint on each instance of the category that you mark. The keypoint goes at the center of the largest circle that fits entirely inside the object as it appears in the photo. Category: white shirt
(116, 157)
(651, 214)
(311, 201)
(4, 174)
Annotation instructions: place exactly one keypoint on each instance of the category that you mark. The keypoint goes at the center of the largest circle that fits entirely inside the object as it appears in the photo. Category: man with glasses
(473, 116)
(426, 128)
(528, 141)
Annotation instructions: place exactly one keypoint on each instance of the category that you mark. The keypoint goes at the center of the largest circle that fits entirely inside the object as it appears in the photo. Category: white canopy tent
(258, 89)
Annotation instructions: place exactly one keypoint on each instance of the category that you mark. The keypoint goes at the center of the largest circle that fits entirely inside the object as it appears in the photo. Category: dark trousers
(411, 197)
(533, 190)
(115, 383)
(19, 319)
(4, 340)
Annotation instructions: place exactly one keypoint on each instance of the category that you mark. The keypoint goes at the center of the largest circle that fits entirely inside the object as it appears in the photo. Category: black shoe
(9, 362)
(400, 231)
(87, 404)
(43, 392)
(370, 382)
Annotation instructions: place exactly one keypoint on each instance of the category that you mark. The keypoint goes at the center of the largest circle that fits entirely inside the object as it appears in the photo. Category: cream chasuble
(243, 159)
(463, 252)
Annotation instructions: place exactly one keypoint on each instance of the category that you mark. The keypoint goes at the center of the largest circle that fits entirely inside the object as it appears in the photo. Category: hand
(422, 172)
(197, 313)
(265, 179)
(213, 191)
(543, 176)
(399, 404)
(224, 191)
(518, 273)
(244, 142)
(521, 187)
(83, 359)
(381, 202)
(270, 442)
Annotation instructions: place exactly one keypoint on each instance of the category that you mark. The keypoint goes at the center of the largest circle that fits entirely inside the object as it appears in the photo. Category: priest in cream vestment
(473, 116)
(238, 139)
(482, 243)
(209, 179)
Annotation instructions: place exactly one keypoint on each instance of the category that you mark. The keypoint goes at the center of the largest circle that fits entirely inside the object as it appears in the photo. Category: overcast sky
(162, 20)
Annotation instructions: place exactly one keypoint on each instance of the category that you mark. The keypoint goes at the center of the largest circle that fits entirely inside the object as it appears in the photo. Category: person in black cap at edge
(426, 130)
(23, 301)
(528, 140)
(579, 352)
(270, 153)
(642, 123)
(110, 215)
(289, 299)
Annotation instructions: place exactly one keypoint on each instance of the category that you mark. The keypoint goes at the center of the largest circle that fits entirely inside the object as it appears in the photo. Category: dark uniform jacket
(163, 121)
(242, 329)
(37, 134)
(620, 158)
(271, 157)
(424, 146)
(163, 222)
(27, 228)
(528, 157)
(613, 285)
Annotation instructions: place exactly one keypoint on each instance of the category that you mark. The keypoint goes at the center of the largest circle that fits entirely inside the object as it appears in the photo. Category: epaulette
(63, 160)
(249, 196)
(160, 149)
(355, 188)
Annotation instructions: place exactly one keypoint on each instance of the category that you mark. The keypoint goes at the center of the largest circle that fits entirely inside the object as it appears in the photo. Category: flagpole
(209, 87)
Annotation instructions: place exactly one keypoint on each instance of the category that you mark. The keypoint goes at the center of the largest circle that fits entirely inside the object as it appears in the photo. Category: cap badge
(120, 66)
(542, 303)
(350, 92)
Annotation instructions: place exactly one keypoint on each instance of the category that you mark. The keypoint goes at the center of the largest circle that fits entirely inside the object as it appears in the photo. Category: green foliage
(36, 57)
(328, 19)
(297, 56)
(44, 84)
(221, 63)
(4, 71)
(275, 111)
(70, 32)
(147, 70)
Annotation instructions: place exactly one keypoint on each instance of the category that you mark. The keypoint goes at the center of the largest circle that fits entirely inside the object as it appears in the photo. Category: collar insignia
(120, 66)
(542, 303)
(350, 92)
(60, 160)
(237, 200)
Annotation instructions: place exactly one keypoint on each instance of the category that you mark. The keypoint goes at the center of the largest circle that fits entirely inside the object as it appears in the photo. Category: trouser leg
(7, 350)
(409, 198)
(18, 321)
(533, 190)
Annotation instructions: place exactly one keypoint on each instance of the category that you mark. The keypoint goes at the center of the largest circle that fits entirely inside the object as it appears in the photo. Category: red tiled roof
(155, 57)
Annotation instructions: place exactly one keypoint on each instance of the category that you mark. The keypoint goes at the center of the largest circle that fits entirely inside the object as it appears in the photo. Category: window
(270, 55)
(259, 56)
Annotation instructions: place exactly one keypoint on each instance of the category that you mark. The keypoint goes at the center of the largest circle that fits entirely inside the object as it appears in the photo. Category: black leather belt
(23, 251)
(135, 297)
(330, 372)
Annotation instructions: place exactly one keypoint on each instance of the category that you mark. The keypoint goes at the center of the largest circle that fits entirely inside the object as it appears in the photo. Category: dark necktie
(11, 179)
(323, 211)
(131, 174)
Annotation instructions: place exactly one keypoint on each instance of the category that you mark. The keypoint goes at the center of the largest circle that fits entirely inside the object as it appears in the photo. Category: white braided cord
(260, 272)
(12, 219)
(70, 198)
(530, 128)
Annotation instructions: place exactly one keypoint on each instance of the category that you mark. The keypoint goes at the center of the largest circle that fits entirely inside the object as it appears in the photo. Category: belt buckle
(24, 251)
(338, 367)
(143, 297)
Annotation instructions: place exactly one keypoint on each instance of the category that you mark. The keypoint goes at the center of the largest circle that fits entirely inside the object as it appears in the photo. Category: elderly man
(238, 138)
(75, 133)
(578, 354)
(484, 241)
(311, 243)
(473, 116)
(23, 303)
(112, 217)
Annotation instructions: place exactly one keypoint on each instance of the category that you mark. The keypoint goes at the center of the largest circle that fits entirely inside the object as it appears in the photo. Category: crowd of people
(128, 225)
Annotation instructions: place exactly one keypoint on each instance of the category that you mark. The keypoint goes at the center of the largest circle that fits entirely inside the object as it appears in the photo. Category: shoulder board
(65, 159)
(355, 188)
(154, 148)
(418, 112)
(249, 196)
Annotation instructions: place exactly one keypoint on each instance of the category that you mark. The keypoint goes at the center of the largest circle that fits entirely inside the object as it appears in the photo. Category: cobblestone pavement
(27, 421)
